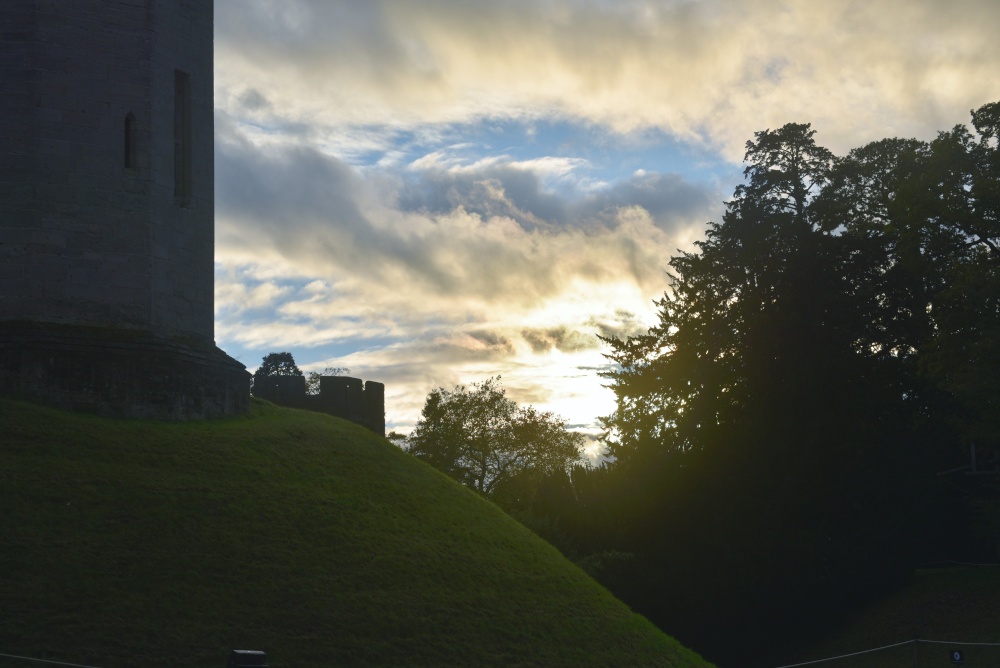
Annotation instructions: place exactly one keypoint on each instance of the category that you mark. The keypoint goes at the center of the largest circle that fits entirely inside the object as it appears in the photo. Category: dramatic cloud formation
(448, 272)
(431, 192)
(704, 69)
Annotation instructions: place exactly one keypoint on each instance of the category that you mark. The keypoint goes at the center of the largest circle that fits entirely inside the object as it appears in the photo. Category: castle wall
(120, 372)
(183, 225)
(342, 396)
(107, 209)
(282, 390)
(91, 231)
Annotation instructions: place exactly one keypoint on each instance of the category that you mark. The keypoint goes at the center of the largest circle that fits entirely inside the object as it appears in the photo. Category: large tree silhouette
(776, 431)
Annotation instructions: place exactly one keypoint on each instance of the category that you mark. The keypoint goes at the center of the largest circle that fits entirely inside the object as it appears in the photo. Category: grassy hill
(139, 543)
(955, 604)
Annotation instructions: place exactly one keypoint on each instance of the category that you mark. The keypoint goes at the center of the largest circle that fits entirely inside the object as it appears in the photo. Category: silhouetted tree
(963, 356)
(278, 364)
(486, 441)
(924, 219)
(770, 428)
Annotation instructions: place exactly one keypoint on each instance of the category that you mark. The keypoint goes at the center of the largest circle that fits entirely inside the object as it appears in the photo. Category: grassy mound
(140, 543)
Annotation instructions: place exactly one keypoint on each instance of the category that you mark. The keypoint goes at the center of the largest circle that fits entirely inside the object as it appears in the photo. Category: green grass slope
(960, 605)
(139, 543)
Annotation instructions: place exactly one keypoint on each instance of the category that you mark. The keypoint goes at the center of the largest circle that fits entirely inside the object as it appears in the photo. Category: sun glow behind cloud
(432, 192)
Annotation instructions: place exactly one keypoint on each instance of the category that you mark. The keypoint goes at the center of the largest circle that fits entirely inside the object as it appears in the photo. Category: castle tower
(107, 209)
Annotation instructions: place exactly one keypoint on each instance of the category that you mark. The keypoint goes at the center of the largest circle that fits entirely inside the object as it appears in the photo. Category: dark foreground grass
(140, 543)
(960, 605)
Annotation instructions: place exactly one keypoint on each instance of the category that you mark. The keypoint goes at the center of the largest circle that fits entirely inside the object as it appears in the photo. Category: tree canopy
(278, 364)
(486, 441)
(829, 347)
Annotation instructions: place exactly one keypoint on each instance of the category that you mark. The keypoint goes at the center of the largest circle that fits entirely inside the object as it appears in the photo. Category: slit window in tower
(182, 137)
(129, 141)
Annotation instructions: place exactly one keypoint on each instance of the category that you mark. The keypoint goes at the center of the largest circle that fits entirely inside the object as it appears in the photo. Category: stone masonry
(107, 207)
(350, 398)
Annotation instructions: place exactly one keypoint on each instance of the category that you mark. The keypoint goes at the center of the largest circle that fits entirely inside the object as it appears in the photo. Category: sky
(434, 192)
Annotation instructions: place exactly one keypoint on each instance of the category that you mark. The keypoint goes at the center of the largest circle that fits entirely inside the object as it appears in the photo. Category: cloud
(546, 191)
(561, 338)
(359, 223)
(715, 70)
(241, 297)
(435, 276)
(567, 383)
(466, 240)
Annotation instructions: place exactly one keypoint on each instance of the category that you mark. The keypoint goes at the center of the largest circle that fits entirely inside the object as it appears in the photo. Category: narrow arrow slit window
(182, 137)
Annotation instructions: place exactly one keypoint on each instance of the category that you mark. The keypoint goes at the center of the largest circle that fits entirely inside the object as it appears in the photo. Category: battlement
(350, 398)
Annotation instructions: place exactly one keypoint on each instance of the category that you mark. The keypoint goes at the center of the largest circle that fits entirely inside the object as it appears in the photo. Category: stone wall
(120, 373)
(107, 207)
(89, 234)
(345, 397)
(283, 390)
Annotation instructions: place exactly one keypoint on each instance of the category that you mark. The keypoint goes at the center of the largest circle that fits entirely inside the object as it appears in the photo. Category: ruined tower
(107, 209)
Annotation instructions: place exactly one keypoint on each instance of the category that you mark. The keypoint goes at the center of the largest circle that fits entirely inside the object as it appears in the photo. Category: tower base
(120, 372)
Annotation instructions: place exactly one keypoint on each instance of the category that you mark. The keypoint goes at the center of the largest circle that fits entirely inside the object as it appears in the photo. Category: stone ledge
(120, 372)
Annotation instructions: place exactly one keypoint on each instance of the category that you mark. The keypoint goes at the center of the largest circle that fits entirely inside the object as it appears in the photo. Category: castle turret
(107, 209)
